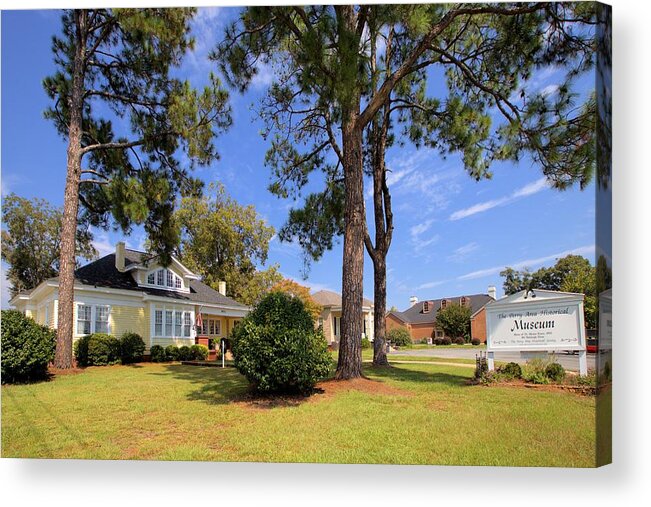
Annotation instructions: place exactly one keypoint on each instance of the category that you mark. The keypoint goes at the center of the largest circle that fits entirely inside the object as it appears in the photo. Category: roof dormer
(426, 306)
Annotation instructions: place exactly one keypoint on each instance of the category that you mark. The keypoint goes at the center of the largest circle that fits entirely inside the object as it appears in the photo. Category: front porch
(214, 331)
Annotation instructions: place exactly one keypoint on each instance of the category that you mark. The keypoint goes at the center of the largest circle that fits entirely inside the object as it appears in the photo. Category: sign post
(537, 321)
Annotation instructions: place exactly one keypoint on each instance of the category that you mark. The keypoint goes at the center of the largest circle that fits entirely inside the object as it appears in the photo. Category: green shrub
(459, 340)
(366, 343)
(97, 349)
(446, 341)
(510, 370)
(172, 353)
(399, 337)
(27, 348)
(555, 372)
(132, 348)
(157, 354)
(534, 371)
(277, 348)
(198, 352)
(185, 353)
(475, 341)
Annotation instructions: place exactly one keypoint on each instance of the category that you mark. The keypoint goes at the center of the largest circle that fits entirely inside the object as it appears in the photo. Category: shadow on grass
(221, 386)
(399, 373)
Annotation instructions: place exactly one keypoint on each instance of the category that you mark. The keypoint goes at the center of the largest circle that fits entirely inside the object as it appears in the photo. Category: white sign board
(545, 322)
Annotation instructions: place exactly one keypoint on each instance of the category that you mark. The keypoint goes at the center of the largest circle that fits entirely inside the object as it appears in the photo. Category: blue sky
(452, 235)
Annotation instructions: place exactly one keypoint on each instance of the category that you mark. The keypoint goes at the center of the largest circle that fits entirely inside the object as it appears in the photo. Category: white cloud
(102, 243)
(549, 90)
(263, 77)
(462, 253)
(529, 189)
(584, 250)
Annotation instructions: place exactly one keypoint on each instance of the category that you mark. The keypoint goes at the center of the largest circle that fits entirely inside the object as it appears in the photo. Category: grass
(367, 355)
(426, 414)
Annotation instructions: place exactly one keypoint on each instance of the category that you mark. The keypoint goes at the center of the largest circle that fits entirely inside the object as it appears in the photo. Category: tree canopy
(454, 320)
(295, 289)
(223, 240)
(31, 239)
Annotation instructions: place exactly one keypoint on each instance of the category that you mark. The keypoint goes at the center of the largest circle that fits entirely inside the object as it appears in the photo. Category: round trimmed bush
(399, 336)
(475, 341)
(80, 350)
(198, 352)
(157, 354)
(132, 348)
(172, 353)
(277, 348)
(459, 340)
(366, 343)
(511, 370)
(555, 372)
(446, 341)
(185, 354)
(27, 348)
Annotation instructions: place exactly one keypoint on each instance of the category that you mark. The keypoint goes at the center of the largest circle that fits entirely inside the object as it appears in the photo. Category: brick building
(420, 318)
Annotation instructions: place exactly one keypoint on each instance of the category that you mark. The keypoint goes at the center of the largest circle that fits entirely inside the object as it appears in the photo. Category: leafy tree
(303, 293)
(454, 320)
(572, 273)
(30, 242)
(115, 64)
(324, 100)
(222, 240)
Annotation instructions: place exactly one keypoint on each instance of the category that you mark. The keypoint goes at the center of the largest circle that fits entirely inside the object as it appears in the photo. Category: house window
(158, 322)
(444, 303)
(170, 278)
(426, 307)
(439, 334)
(320, 323)
(84, 319)
(178, 326)
(160, 277)
(187, 324)
(102, 319)
(334, 326)
(464, 301)
(177, 282)
(151, 278)
(169, 315)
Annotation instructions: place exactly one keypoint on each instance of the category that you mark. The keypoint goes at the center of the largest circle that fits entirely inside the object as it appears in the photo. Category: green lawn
(423, 414)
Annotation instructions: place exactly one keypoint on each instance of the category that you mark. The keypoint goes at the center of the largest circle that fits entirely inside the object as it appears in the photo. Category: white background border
(626, 482)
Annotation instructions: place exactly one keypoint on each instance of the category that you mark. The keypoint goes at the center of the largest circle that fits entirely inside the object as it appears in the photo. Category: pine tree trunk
(63, 354)
(380, 300)
(350, 347)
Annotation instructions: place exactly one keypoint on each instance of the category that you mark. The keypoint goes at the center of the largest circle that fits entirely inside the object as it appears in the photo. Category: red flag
(199, 323)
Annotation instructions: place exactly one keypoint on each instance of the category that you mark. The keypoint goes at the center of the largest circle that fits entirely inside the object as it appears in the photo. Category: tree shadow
(399, 373)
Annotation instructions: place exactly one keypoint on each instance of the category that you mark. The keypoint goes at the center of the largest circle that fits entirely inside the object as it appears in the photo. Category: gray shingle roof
(103, 273)
(415, 314)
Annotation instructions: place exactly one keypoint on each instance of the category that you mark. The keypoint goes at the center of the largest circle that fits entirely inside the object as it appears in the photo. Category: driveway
(569, 362)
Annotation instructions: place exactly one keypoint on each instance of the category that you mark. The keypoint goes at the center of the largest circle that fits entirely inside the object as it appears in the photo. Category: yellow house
(130, 291)
(330, 319)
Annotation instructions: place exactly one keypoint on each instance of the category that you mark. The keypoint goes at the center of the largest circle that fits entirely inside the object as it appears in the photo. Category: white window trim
(175, 310)
(93, 317)
(173, 288)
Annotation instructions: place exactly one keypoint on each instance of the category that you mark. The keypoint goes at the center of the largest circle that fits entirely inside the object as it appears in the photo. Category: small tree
(399, 336)
(277, 348)
(303, 293)
(454, 321)
(31, 239)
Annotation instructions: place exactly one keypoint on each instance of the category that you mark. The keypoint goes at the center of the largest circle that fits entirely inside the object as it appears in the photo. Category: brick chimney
(492, 291)
(222, 288)
(119, 256)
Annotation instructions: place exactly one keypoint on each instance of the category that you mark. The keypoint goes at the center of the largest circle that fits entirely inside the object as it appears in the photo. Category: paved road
(569, 362)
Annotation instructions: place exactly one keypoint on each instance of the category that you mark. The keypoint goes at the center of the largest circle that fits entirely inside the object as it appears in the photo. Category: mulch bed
(584, 390)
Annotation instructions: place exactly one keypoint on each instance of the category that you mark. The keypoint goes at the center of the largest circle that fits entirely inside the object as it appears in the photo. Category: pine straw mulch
(323, 390)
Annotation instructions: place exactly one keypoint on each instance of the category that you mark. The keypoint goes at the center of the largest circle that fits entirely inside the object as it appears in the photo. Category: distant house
(420, 318)
(330, 319)
(130, 291)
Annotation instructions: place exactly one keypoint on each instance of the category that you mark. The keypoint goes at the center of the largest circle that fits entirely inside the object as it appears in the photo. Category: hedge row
(173, 353)
(102, 349)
